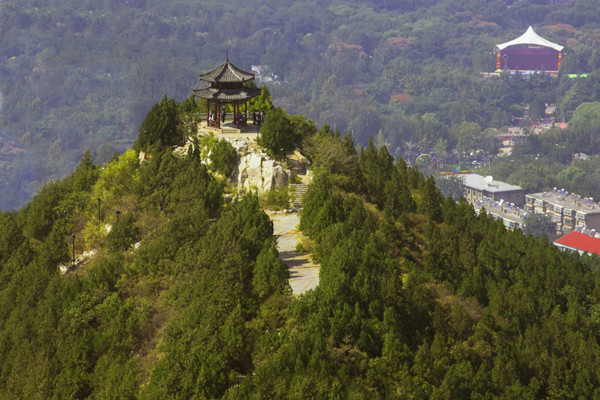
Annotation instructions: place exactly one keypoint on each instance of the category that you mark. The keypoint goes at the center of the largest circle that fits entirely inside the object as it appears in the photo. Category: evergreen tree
(160, 128)
(277, 133)
(431, 200)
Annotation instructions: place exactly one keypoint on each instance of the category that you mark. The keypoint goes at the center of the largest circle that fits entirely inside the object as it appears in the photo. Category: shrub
(223, 158)
(123, 234)
(276, 199)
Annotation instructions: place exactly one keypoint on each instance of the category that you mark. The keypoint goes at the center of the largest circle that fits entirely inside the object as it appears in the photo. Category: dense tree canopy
(160, 127)
(565, 158)
(181, 296)
(281, 133)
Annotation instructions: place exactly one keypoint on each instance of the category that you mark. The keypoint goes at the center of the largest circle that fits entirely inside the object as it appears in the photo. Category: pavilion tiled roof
(226, 73)
(225, 95)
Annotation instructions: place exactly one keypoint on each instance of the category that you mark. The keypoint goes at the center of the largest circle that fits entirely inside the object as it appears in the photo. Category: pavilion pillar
(215, 111)
(219, 115)
(246, 110)
(237, 106)
(207, 111)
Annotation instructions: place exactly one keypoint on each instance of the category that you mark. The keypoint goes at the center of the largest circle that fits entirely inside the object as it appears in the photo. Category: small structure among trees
(226, 85)
(529, 52)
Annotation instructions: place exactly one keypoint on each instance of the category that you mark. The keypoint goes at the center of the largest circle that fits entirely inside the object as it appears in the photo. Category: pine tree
(160, 128)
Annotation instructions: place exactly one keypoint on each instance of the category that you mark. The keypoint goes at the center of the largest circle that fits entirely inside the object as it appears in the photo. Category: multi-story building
(512, 217)
(477, 187)
(569, 211)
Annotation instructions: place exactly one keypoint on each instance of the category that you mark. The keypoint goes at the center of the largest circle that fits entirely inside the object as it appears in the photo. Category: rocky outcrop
(280, 177)
(256, 170)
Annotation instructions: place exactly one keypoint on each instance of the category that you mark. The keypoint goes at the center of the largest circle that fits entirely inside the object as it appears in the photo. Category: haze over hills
(79, 75)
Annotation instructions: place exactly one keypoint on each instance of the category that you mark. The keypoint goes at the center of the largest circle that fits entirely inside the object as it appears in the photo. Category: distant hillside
(176, 293)
(77, 75)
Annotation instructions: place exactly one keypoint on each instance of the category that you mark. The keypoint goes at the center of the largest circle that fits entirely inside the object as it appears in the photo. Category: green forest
(81, 75)
(185, 296)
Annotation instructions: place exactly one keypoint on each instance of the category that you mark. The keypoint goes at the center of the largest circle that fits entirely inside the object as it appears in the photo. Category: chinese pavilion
(225, 85)
(529, 52)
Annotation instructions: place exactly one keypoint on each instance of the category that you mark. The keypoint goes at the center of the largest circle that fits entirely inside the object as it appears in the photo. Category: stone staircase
(297, 163)
(299, 192)
(226, 130)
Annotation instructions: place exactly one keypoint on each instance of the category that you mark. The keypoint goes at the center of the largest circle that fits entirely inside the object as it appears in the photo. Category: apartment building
(511, 216)
(569, 211)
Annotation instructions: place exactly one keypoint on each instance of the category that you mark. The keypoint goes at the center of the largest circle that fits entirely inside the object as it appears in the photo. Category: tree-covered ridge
(185, 296)
(79, 75)
(201, 273)
(428, 300)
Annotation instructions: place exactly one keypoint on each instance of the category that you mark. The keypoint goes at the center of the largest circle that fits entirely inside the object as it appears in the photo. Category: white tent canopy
(530, 37)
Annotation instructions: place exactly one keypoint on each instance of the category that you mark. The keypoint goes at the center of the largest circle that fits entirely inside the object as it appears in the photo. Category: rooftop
(226, 73)
(562, 198)
(479, 182)
(227, 95)
(500, 209)
(530, 37)
(580, 241)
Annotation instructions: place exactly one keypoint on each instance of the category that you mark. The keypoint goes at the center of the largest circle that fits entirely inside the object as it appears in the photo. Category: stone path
(304, 275)
(229, 131)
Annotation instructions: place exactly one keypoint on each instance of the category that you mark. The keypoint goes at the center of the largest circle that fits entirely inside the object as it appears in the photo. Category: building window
(568, 221)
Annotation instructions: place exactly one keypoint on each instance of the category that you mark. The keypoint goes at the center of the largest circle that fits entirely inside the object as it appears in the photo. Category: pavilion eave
(227, 95)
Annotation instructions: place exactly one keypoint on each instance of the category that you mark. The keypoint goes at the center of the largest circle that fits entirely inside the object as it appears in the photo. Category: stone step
(298, 169)
(229, 131)
(299, 192)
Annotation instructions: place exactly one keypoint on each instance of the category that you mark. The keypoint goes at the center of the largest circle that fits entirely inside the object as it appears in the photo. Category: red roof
(580, 241)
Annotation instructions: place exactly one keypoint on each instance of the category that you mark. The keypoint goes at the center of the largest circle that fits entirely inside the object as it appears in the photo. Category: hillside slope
(418, 297)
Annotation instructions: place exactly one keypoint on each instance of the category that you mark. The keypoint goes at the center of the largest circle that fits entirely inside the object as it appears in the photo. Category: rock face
(256, 170)
(280, 177)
